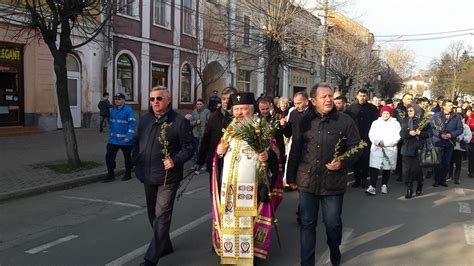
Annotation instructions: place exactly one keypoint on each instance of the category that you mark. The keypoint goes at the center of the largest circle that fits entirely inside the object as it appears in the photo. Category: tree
(390, 82)
(466, 78)
(400, 59)
(55, 22)
(351, 59)
(284, 33)
(449, 69)
(212, 48)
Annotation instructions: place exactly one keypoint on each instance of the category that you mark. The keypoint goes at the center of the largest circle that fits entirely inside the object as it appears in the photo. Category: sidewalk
(22, 157)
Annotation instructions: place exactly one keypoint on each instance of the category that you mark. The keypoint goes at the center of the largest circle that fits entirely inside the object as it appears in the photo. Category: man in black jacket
(301, 102)
(320, 179)
(364, 114)
(213, 132)
(165, 143)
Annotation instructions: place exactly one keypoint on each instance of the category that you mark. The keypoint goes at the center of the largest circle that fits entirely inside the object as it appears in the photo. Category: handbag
(429, 155)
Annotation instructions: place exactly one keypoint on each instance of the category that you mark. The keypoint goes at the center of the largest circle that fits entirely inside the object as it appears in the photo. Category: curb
(68, 184)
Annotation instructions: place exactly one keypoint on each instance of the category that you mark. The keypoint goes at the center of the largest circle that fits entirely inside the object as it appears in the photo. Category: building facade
(155, 43)
(28, 83)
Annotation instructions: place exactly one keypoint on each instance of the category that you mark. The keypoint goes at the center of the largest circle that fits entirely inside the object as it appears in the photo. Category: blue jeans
(331, 211)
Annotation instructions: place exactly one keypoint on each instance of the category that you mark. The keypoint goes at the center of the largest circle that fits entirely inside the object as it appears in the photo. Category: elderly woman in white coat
(384, 135)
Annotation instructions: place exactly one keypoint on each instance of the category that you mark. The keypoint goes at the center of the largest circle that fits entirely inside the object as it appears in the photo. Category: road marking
(118, 203)
(460, 191)
(51, 244)
(126, 217)
(194, 191)
(347, 234)
(141, 250)
(464, 207)
(469, 233)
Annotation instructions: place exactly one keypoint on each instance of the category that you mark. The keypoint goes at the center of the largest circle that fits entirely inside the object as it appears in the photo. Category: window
(188, 17)
(125, 77)
(185, 89)
(163, 13)
(128, 7)
(246, 30)
(243, 80)
(159, 75)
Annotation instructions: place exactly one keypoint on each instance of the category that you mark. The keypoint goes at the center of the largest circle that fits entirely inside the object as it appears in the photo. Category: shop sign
(10, 53)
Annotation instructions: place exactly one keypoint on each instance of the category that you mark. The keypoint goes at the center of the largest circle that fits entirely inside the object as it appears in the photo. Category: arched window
(72, 64)
(73, 71)
(125, 77)
(185, 89)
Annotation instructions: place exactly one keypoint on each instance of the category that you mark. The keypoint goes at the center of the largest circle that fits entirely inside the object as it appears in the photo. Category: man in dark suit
(165, 143)
(364, 114)
(213, 132)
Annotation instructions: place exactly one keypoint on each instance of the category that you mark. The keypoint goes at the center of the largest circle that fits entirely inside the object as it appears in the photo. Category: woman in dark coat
(413, 137)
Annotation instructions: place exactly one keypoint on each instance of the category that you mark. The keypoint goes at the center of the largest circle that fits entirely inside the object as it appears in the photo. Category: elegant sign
(10, 53)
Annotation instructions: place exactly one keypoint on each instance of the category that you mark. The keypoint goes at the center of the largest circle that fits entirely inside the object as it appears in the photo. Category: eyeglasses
(411, 111)
(159, 98)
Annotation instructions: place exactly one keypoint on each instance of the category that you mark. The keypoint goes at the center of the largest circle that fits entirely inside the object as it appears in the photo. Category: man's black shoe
(167, 251)
(108, 179)
(147, 263)
(335, 255)
(444, 184)
(435, 184)
(456, 181)
(126, 177)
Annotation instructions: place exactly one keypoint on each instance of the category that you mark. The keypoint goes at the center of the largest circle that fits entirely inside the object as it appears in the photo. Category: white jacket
(466, 136)
(389, 132)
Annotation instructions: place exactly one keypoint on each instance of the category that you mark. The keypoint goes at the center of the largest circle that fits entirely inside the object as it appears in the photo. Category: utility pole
(325, 42)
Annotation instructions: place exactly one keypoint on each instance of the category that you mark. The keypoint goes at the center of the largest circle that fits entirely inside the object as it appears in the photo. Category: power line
(422, 34)
(432, 38)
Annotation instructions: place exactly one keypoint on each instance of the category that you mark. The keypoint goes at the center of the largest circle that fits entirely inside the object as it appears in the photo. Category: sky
(400, 17)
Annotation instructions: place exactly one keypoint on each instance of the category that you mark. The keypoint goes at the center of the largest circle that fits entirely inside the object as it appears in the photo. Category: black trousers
(471, 158)
(455, 165)
(112, 154)
(159, 203)
(411, 169)
(374, 173)
(441, 171)
(399, 169)
(361, 167)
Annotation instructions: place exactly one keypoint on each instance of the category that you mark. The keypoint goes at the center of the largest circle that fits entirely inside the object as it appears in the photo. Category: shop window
(243, 80)
(125, 77)
(163, 13)
(185, 88)
(159, 75)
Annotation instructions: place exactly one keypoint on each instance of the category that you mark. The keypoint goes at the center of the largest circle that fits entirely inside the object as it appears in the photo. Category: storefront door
(74, 91)
(11, 86)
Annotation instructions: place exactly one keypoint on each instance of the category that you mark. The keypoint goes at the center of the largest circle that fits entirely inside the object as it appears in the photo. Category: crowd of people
(318, 138)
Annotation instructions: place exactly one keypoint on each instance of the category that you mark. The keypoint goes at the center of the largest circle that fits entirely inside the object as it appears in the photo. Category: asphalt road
(106, 224)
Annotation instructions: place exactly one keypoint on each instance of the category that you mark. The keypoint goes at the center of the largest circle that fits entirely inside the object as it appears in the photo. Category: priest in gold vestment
(242, 213)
